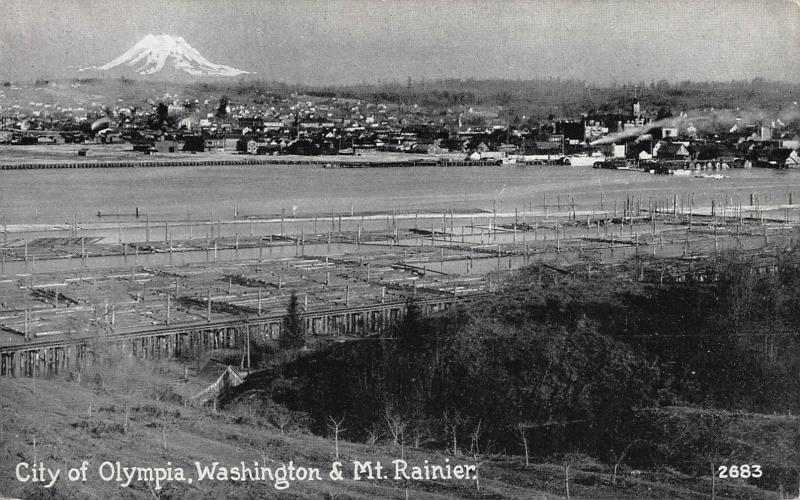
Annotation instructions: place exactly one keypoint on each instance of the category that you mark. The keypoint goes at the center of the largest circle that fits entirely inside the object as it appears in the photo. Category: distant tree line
(537, 99)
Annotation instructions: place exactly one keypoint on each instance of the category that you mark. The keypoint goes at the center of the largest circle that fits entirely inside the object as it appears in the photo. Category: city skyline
(347, 41)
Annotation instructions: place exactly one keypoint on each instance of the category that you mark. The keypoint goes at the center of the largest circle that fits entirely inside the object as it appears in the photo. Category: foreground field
(62, 423)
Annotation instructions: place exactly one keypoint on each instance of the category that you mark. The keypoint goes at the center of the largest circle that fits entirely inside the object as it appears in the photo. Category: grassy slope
(57, 414)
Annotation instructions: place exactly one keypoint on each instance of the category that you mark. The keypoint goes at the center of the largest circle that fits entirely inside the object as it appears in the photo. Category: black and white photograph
(387, 249)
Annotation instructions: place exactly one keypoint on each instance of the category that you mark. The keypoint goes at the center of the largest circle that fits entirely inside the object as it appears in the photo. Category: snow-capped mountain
(152, 54)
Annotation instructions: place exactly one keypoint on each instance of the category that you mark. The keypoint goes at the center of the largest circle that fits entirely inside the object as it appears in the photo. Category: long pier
(44, 357)
(326, 163)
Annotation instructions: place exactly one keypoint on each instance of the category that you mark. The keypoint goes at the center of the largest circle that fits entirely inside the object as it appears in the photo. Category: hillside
(565, 384)
(564, 361)
(56, 419)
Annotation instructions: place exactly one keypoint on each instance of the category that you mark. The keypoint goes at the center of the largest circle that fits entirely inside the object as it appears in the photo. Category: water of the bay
(175, 193)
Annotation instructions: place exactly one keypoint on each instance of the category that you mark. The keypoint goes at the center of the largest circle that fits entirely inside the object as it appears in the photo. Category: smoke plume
(707, 121)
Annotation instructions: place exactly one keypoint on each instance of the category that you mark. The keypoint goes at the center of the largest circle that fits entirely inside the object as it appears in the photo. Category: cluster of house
(753, 145)
(310, 125)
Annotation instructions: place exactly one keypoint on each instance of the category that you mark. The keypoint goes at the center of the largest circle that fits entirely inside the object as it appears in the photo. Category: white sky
(325, 42)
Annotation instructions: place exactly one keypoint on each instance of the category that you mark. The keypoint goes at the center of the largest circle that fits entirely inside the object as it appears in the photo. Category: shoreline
(120, 156)
(245, 162)
(749, 212)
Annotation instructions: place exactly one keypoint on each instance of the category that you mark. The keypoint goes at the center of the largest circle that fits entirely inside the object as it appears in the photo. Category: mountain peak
(152, 53)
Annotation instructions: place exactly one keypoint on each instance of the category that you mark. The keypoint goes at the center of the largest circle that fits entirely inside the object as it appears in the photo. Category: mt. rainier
(152, 53)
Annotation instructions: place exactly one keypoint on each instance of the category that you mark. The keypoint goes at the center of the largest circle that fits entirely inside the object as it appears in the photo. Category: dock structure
(55, 355)
(324, 163)
(150, 300)
(55, 318)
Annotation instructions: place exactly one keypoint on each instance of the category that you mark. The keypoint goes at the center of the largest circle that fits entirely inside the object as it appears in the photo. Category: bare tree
(476, 452)
(336, 427)
(373, 435)
(396, 426)
(452, 421)
(420, 435)
(618, 457)
(570, 460)
(566, 476)
(523, 435)
(164, 434)
(283, 418)
(127, 416)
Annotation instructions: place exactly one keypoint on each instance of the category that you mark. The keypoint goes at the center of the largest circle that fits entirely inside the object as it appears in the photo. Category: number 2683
(744, 471)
